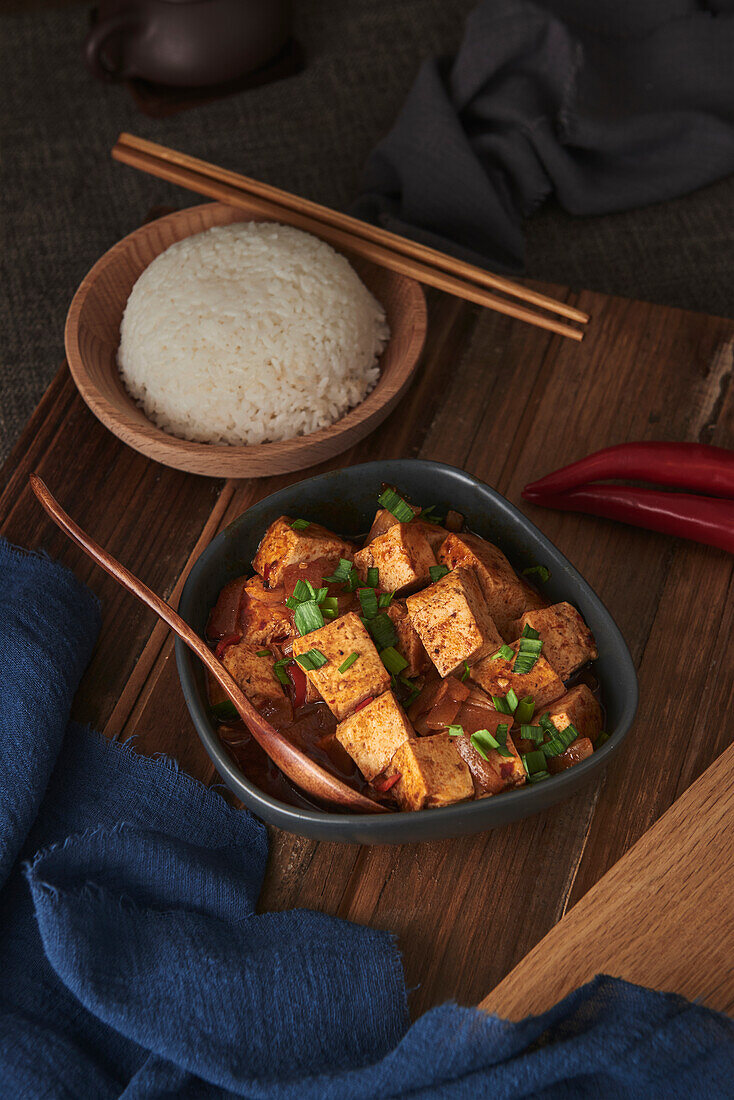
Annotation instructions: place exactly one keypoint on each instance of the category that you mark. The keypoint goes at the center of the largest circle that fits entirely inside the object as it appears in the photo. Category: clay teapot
(185, 43)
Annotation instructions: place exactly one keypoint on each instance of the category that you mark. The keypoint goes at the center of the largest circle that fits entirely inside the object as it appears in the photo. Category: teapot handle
(98, 36)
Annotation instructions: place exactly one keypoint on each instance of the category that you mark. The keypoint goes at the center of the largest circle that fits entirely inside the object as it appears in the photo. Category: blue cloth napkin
(133, 964)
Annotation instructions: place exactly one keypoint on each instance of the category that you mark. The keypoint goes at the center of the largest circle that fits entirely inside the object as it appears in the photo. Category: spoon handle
(298, 767)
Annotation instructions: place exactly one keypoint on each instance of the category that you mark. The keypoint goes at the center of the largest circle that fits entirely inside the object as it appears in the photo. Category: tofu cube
(403, 556)
(383, 521)
(409, 644)
(374, 734)
(281, 546)
(431, 773)
(260, 620)
(253, 674)
(533, 599)
(496, 677)
(578, 708)
(452, 621)
(567, 641)
(343, 691)
(503, 590)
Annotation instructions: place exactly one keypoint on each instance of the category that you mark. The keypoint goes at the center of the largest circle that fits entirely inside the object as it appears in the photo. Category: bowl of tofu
(418, 636)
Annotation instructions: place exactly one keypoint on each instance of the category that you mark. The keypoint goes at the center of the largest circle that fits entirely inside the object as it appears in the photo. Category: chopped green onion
(466, 673)
(311, 659)
(308, 617)
(540, 571)
(303, 590)
(263, 653)
(546, 724)
(533, 762)
(554, 747)
(455, 731)
(368, 600)
(438, 571)
(524, 662)
(349, 662)
(528, 651)
(428, 517)
(382, 630)
(603, 736)
(279, 670)
(392, 660)
(531, 733)
(506, 652)
(525, 710)
(300, 524)
(482, 741)
(292, 602)
(394, 503)
(224, 710)
(505, 704)
(341, 573)
(385, 599)
(373, 577)
(501, 737)
(329, 607)
(538, 777)
(569, 734)
(414, 693)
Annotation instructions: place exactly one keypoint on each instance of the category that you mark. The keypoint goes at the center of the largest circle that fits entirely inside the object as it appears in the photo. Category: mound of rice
(248, 333)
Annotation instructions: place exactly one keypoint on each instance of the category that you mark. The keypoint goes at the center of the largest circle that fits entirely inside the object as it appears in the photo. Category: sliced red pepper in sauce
(364, 703)
(224, 644)
(383, 785)
(299, 684)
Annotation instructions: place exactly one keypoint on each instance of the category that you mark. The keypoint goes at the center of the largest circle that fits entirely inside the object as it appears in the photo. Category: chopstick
(390, 250)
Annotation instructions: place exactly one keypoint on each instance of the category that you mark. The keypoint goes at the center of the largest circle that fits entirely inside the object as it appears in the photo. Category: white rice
(248, 333)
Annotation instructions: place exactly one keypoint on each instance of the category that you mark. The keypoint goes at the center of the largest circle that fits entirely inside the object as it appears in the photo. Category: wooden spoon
(299, 768)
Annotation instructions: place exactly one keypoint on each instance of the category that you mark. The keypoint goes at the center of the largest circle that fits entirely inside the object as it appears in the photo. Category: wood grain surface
(661, 917)
(508, 404)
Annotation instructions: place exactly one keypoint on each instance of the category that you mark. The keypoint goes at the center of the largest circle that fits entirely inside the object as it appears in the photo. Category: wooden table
(508, 403)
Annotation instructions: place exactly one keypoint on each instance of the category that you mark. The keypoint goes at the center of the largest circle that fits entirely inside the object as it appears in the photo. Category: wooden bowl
(92, 337)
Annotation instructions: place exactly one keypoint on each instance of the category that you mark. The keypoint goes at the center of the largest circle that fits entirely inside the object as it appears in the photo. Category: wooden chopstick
(355, 226)
(271, 203)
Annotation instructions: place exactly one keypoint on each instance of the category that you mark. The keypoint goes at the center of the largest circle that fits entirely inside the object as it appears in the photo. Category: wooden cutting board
(508, 403)
(662, 917)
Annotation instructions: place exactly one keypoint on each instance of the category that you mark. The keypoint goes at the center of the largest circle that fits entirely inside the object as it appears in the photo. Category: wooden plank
(661, 917)
(686, 678)
(148, 516)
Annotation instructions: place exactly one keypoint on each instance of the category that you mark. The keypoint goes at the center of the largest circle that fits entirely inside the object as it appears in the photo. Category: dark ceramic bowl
(345, 501)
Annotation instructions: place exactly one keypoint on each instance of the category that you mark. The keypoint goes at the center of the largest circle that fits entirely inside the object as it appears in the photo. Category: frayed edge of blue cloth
(40, 562)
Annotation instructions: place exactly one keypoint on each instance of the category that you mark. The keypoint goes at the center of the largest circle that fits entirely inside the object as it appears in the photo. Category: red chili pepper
(383, 785)
(697, 466)
(225, 643)
(364, 703)
(709, 520)
(299, 684)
